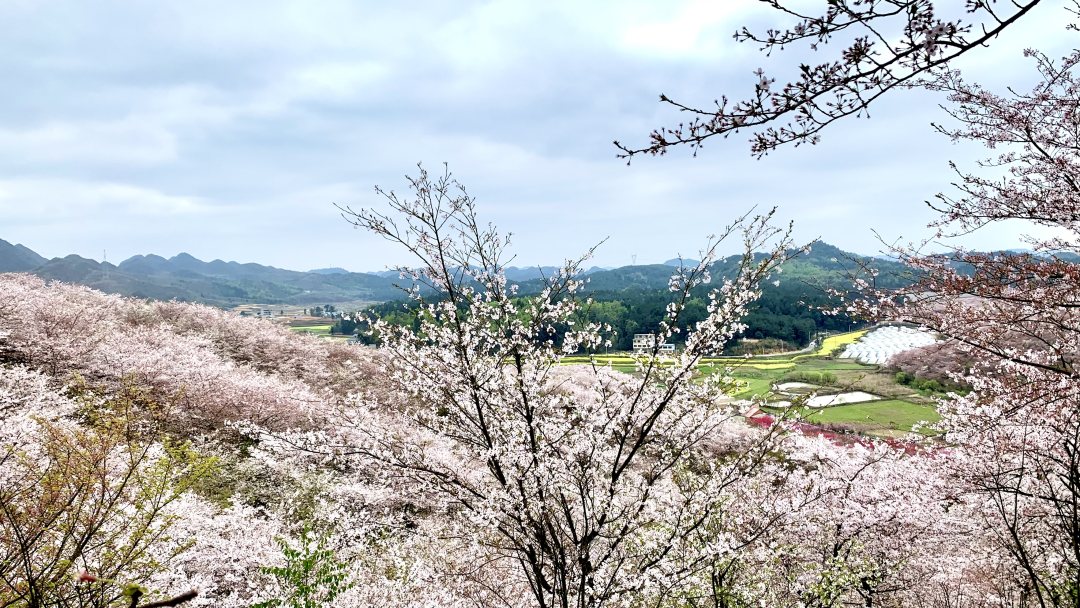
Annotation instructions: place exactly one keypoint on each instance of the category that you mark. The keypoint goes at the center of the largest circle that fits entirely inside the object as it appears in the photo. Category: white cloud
(128, 141)
(241, 122)
(341, 80)
(697, 29)
(66, 201)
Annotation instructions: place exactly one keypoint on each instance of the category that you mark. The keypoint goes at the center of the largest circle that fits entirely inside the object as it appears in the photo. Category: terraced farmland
(888, 410)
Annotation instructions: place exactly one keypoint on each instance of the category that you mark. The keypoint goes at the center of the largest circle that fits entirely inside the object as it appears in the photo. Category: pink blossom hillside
(216, 366)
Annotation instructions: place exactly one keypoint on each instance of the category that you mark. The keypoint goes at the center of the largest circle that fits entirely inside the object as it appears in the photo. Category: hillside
(632, 299)
(256, 447)
(824, 266)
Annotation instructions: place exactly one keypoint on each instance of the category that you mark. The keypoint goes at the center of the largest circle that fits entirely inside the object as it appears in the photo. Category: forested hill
(632, 299)
(824, 265)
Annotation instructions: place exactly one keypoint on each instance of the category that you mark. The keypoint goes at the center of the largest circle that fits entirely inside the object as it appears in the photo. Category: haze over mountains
(219, 283)
(187, 278)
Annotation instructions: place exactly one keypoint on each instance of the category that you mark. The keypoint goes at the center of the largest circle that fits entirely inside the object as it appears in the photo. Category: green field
(322, 331)
(312, 329)
(894, 415)
(885, 417)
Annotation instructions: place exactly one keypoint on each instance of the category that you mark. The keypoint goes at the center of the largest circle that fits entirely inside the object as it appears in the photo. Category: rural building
(644, 343)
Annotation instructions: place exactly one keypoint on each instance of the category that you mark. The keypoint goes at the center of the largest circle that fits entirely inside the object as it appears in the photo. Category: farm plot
(878, 346)
(833, 343)
(316, 328)
(842, 393)
(312, 329)
(885, 418)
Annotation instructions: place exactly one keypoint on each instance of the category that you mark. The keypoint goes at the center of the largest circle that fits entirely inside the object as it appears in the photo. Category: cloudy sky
(228, 129)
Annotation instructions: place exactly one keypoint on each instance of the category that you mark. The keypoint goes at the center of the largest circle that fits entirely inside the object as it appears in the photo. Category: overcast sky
(228, 129)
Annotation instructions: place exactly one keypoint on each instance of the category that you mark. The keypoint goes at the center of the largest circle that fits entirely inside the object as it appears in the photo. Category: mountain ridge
(18, 257)
(187, 278)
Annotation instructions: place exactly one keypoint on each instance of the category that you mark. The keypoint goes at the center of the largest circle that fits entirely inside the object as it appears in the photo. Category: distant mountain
(145, 264)
(187, 278)
(17, 258)
(1067, 256)
(644, 276)
(633, 299)
(682, 262)
(110, 279)
(529, 273)
(825, 265)
(73, 269)
(232, 282)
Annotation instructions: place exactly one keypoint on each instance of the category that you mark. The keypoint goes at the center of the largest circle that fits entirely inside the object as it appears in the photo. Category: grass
(759, 379)
(317, 322)
(889, 414)
(320, 331)
(312, 329)
(753, 385)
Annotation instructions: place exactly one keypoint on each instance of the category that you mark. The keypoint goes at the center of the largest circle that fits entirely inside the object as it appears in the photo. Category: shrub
(311, 577)
(90, 499)
(810, 377)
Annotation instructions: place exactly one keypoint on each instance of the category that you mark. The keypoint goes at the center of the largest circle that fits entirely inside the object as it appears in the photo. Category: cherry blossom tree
(594, 484)
(214, 366)
(885, 45)
(84, 499)
(1015, 318)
